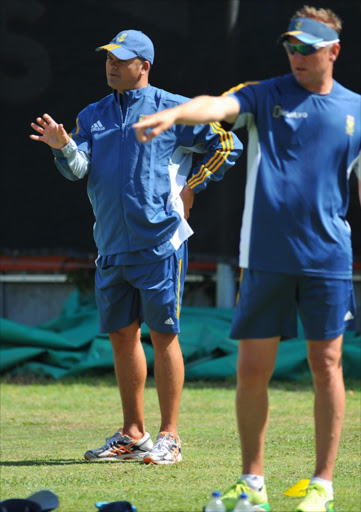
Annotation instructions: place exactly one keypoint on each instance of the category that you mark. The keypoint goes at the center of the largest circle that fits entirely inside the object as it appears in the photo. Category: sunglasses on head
(306, 49)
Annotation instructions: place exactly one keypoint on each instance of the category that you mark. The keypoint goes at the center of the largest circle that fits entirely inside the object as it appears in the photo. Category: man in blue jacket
(295, 250)
(141, 196)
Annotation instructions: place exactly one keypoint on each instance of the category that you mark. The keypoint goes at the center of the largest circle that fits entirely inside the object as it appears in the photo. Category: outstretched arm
(200, 110)
(50, 132)
(72, 164)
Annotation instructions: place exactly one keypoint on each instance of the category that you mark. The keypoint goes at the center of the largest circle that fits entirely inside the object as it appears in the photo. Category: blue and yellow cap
(310, 31)
(129, 44)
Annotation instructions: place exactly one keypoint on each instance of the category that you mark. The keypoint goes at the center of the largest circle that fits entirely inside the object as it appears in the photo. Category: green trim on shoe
(316, 500)
(258, 499)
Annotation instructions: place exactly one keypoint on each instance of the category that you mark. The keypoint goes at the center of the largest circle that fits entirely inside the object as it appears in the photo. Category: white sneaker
(121, 447)
(166, 450)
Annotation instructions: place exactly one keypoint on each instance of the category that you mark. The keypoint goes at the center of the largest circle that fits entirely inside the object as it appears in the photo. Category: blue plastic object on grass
(115, 506)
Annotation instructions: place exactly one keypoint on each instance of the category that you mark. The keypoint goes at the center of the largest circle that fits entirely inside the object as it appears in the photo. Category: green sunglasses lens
(303, 49)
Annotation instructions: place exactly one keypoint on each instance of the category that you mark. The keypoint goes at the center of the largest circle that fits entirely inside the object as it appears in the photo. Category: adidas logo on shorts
(348, 316)
(169, 321)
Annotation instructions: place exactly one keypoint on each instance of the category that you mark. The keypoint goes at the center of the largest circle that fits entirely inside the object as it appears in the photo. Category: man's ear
(334, 51)
(146, 66)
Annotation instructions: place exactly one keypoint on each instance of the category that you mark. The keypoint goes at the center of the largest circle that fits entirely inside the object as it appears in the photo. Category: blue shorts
(151, 293)
(269, 304)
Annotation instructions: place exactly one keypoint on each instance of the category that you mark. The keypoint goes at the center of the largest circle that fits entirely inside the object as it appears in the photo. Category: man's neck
(139, 85)
(322, 87)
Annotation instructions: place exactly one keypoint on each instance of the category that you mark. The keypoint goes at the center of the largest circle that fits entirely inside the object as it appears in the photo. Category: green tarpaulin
(70, 345)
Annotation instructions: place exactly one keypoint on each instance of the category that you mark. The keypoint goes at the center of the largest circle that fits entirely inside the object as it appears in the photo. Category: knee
(255, 376)
(326, 365)
(256, 361)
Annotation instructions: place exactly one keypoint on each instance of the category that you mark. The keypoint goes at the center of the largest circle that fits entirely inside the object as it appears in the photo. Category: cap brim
(302, 36)
(117, 50)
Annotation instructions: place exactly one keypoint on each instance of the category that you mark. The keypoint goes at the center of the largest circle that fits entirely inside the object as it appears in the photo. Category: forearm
(206, 109)
(200, 110)
(72, 164)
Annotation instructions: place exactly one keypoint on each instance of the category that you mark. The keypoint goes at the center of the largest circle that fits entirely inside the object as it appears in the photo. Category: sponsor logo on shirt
(97, 127)
(350, 125)
(278, 111)
(142, 117)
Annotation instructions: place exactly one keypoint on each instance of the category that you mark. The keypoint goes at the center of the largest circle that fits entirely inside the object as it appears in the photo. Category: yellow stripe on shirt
(238, 87)
(217, 159)
(77, 128)
(217, 129)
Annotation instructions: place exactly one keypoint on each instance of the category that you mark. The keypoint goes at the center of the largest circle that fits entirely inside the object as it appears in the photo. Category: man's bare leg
(131, 373)
(325, 360)
(256, 360)
(169, 376)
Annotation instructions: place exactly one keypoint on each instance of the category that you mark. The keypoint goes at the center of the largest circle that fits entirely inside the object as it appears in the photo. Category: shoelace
(111, 439)
(242, 487)
(115, 438)
(314, 491)
(162, 442)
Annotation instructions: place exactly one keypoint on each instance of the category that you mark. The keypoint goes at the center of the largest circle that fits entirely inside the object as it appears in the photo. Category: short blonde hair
(325, 16)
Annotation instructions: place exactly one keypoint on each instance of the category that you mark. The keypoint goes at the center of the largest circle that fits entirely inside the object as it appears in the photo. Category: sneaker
(121, 447)
(166, 450)
(258, 499)
(316, 500)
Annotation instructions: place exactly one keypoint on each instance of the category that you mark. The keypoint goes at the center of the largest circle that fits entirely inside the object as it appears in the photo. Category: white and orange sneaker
(166, 450)
(121, 447)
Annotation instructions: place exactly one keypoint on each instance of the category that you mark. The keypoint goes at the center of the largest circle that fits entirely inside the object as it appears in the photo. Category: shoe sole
(149, 460)
(115, 458)
(256, 508)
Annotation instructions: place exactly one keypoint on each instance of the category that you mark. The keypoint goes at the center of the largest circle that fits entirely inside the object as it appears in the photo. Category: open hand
(50, 132)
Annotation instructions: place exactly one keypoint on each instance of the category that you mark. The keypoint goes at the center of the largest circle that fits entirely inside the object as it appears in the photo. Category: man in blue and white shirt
(140, 231)
(295, 248)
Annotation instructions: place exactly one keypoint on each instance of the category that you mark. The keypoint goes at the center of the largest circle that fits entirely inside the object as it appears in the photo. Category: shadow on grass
(54, 462)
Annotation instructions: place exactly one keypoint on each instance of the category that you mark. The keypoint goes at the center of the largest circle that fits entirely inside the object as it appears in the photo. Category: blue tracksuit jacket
(133, 187)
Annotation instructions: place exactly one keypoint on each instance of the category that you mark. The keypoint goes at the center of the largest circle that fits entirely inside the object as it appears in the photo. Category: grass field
(48, 425)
